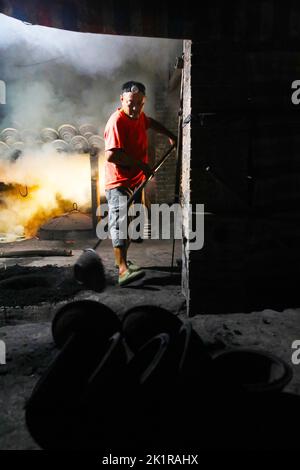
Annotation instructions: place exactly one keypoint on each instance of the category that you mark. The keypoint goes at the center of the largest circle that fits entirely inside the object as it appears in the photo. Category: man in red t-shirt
(126, 166)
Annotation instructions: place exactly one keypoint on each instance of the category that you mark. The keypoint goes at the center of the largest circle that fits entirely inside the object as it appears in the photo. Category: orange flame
(42, 185)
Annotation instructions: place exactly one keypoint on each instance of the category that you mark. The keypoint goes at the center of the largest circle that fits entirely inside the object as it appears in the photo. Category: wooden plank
(32, 253)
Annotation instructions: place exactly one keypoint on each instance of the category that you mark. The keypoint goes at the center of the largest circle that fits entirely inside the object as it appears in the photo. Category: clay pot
(89, 270)
(66, 410)
(87, 318)
(142, 322)
(251, 370)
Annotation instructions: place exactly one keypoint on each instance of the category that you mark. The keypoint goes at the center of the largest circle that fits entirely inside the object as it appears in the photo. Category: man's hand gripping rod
(154, 170)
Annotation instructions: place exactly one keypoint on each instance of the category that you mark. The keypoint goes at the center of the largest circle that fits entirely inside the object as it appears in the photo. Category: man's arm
(158, 127)
(119, 157)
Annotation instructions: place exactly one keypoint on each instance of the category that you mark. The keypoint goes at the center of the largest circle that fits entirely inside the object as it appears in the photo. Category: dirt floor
(27, 309)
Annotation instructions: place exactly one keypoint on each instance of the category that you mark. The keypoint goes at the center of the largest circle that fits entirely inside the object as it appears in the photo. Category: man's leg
(120, 252)
(121, 258)
(117, 207)
(116, 217)
(139, 201)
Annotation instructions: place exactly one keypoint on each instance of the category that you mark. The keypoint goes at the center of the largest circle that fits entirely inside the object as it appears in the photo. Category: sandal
(130, 276)
(131, 266)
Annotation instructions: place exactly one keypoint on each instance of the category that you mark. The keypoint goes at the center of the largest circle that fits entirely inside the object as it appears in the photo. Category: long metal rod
(154, 170)
(143, 184)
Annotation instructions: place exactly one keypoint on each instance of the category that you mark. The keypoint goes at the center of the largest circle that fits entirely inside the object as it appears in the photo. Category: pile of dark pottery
(147, 381)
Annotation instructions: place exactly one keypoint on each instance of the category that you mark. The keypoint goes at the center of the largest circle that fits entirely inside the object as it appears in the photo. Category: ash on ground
(21, 285)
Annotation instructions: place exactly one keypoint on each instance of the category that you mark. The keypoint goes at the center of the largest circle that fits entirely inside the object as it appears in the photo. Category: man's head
(133, 98)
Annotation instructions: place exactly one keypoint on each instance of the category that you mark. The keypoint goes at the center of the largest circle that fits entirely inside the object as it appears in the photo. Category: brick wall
(162, 188)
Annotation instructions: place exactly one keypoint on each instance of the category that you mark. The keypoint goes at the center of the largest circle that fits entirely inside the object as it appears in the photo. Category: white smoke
(90, 54)
(55, 76)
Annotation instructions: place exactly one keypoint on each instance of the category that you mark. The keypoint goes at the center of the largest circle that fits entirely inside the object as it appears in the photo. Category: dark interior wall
(245, 158)
(241, 134)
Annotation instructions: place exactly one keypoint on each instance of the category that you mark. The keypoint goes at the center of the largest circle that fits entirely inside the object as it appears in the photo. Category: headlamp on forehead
(133, 87)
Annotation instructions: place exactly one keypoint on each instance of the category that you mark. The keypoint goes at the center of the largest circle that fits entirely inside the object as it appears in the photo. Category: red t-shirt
(122, 132)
